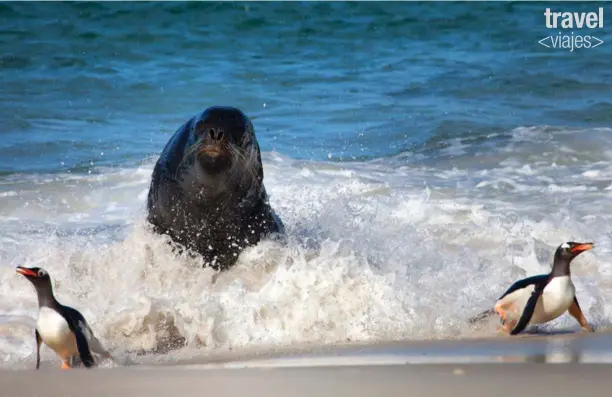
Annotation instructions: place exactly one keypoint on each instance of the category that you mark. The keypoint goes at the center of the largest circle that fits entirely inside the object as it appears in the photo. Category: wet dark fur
(219, 212)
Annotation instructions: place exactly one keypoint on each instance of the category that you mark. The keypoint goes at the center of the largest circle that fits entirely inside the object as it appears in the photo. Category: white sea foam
(375, 252)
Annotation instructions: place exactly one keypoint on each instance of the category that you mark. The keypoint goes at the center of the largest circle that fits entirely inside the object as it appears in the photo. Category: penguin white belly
(556, 298)
(55, 333)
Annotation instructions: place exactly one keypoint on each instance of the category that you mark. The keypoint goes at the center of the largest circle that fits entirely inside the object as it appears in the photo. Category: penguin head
(36, 275)
(569, 250)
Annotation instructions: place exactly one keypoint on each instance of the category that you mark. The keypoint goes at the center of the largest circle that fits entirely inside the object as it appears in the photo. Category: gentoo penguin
(543, 298)
(60, 327)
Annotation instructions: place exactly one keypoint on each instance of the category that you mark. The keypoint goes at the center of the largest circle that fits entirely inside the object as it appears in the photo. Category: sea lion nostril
(216, 134)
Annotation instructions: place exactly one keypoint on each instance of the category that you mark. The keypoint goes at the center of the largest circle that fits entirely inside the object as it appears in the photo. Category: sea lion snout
(213, 153)
(211, 150)
(214, 157)
(214, 143)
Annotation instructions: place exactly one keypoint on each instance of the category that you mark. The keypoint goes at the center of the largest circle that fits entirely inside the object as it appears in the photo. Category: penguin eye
(41, 273)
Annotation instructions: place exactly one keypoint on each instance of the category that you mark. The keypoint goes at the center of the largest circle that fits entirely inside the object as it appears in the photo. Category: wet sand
(578, 347)
(429, 380)
(472, 367)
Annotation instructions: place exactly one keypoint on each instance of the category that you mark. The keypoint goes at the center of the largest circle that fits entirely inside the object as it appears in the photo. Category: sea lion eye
(202, 128)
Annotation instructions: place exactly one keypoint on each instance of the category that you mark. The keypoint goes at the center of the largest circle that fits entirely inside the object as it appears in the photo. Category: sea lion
(207, 190)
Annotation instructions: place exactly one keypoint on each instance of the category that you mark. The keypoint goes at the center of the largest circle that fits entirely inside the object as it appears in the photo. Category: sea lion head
(224, 148)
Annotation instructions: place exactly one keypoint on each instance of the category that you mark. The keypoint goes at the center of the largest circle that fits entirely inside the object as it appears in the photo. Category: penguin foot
(507, 327)
(588, 328)
(503, 319)
(66, 365)
(576, 312)
(499, 309)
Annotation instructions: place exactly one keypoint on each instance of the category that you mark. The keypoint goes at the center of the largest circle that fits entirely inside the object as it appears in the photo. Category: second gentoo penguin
(60, 327)
(543, 298)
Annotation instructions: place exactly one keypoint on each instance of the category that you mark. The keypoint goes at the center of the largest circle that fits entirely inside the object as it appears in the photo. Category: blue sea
(422, 155)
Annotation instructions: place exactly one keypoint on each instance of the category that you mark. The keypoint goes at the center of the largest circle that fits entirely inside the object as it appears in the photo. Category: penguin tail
(481, 316)
(96, 347)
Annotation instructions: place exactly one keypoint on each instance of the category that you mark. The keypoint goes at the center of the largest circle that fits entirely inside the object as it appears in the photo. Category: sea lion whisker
(236, 172)
(250, 162)
(191, 149)
(247, 164)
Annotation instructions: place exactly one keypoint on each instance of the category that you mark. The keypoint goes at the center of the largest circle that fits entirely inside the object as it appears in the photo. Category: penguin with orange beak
(60, 327)
(542, 298)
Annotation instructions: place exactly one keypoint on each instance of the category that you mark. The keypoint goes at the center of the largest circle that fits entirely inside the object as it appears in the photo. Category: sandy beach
(494, 366)
(384, 380)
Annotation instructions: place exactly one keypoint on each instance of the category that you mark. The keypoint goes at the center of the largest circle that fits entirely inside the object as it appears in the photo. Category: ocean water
(422, 156)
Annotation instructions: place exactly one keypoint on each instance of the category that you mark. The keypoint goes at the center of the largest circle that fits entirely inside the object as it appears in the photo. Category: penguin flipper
(38, 342)
(528, 310)
(96, 346)
(82, 344)
(539, 279)
(78, 326)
